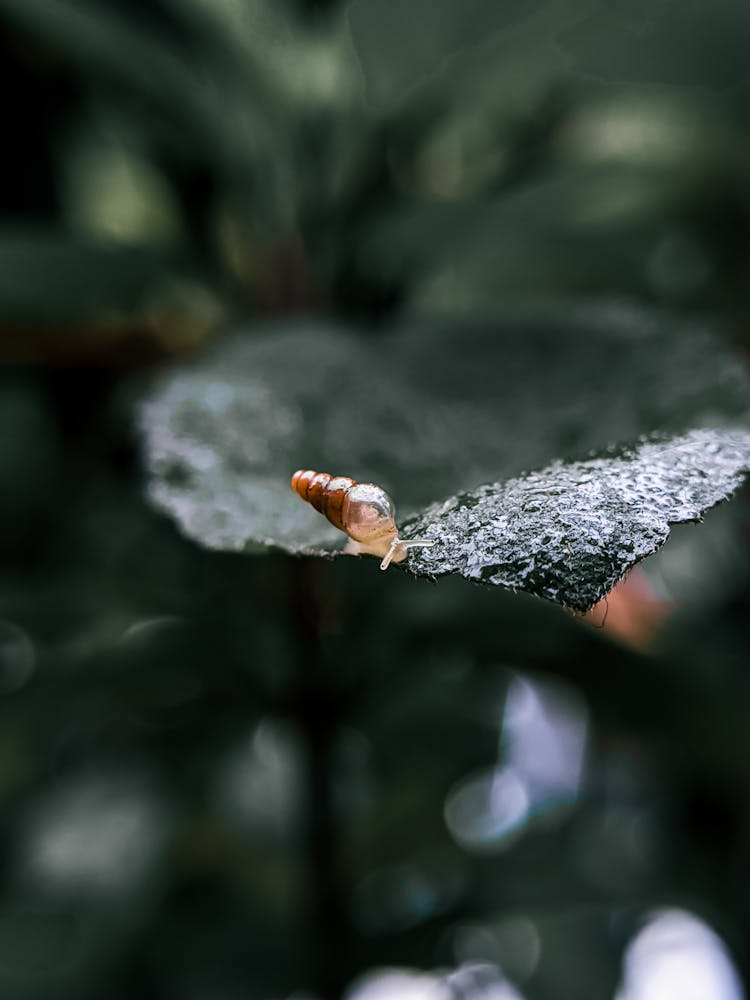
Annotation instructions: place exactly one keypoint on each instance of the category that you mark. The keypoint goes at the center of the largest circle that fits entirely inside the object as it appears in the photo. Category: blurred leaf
(312, 64)
(203, 104)
(588, 227)
(50, 277)
(401, 46)
(66, 298)
(436, 408)
(113, 192)
(669, 42)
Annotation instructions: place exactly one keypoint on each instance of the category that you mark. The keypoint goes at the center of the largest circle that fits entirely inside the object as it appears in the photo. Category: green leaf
(211, 104)
(433, 409)
(572, 530)
(48, 276)
(402, 45)
(675, 43)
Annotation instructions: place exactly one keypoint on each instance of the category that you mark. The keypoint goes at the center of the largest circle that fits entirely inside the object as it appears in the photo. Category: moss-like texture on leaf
(430, 410)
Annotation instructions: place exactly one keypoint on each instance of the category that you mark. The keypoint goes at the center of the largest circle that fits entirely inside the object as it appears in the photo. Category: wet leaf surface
(434, 409)
(570, 531)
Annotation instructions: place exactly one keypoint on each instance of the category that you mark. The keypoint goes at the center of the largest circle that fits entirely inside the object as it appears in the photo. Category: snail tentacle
(398, 547)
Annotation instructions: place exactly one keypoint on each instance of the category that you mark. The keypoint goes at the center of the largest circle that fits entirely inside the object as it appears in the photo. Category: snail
(363, 511)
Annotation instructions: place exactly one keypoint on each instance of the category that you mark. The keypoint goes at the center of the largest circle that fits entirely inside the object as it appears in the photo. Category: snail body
(363, 511)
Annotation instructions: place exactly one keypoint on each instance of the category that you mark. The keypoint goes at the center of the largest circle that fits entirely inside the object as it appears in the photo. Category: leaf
(678, 44)
(202, 106)
(48, 276)
(571, 531)
(407, 49)
(432, 409)
(589, 227)
(399, 44)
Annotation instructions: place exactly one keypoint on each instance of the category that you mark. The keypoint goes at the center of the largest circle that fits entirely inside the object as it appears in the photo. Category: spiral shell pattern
(326, 493)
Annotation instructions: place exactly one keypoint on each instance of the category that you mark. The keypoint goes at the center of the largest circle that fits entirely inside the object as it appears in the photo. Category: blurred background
(226, 777)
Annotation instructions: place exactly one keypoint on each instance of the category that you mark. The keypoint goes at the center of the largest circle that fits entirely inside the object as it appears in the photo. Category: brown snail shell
(363, 511)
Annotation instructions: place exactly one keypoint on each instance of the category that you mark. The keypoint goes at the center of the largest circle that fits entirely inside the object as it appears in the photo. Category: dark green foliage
(512, 234)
